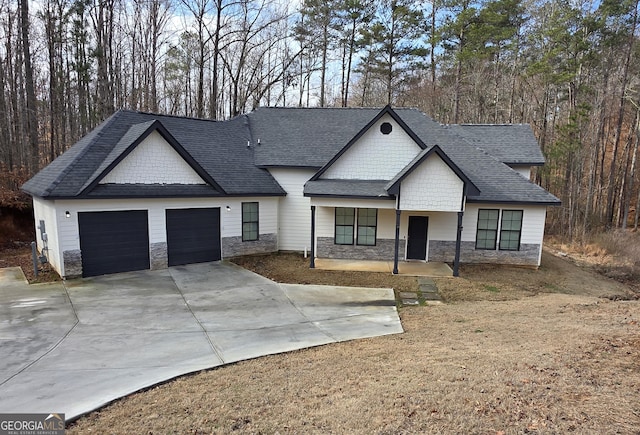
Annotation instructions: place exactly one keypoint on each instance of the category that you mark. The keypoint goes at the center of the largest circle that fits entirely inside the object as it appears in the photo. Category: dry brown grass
(294, 268)
(615, 254)
(545, 358)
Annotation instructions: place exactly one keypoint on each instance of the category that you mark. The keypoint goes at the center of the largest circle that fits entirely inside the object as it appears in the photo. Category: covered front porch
(406, 268)
(417, 215)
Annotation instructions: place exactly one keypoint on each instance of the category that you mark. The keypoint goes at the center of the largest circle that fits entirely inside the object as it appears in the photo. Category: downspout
(312, 262)
(397, 241)
(456, 260)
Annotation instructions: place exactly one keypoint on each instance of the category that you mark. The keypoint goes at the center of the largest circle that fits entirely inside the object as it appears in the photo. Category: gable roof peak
(392, 186)
(387, 110)
(137, 133)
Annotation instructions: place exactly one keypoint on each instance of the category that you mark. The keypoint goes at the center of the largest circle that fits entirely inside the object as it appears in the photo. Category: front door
(417, 238)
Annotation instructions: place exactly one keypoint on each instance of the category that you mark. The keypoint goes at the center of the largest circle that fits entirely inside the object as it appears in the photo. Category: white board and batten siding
(68, 237)
(375, 156)
(294, 209)
(153, 161)
(432, 186)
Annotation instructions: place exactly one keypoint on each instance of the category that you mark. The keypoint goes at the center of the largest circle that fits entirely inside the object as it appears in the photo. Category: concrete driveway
(73, 347)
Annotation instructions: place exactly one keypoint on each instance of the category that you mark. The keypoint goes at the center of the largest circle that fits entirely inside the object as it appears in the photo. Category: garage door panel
(113, 242)
(193, 235)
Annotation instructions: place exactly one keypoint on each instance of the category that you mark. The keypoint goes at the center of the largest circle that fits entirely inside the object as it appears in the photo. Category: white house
(150, 191)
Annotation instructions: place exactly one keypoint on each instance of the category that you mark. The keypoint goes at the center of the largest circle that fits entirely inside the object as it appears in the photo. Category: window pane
(249, 231)
(510, 230)
(366, 240)
(508, 245)
(487, 228)
(344, 235)
(366, 236)
(344, 216)
(367, 222)
(249, 211)
(367, 216)
(249, 221)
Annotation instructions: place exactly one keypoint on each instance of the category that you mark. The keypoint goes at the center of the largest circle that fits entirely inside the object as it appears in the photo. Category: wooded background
(567, 67)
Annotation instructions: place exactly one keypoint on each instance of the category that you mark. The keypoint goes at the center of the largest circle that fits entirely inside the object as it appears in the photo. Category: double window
(510, 228)
(347, 220)
(249, 221)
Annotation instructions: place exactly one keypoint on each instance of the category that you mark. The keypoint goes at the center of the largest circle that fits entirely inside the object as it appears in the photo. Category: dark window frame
(510, 231)
(375, 227)
(487, 230)
(248, 219)
(342, 225)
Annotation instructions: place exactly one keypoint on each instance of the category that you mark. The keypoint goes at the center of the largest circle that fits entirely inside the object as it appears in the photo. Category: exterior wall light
(228, 209)
(67, 214)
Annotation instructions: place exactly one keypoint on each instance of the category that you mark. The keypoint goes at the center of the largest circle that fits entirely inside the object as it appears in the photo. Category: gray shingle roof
(45, 182)
(220, 148)
(512, 144)
(347, 188)
(496, 181)
(307, 137)
(289, 137)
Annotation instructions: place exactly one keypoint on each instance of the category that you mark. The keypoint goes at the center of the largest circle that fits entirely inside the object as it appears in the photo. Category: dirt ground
(512, 351)
(19, 254)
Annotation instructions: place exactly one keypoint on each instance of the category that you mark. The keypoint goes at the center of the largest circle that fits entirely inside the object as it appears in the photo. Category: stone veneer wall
(383, 250)
(441, 250)
(158, 255)
(72, 263)
(234, 246)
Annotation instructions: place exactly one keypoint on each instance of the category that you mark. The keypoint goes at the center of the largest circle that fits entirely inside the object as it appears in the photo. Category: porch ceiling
(406, 268)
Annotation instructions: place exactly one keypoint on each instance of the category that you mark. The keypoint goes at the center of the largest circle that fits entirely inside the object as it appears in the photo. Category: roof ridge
(504, 124)
(376, 108)
(193, 118)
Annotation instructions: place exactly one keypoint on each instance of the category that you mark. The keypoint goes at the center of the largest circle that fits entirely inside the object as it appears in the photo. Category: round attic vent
(385, 128)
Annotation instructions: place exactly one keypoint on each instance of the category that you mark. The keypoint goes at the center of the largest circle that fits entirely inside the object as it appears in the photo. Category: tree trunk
(621, 110)
(31, 107)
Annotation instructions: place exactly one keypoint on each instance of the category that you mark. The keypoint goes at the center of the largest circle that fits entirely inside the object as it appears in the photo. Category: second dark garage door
(193, 235)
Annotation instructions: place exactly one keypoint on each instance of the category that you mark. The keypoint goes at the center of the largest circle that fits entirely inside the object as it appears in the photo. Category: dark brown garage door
(113, 241)
(193, 235)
